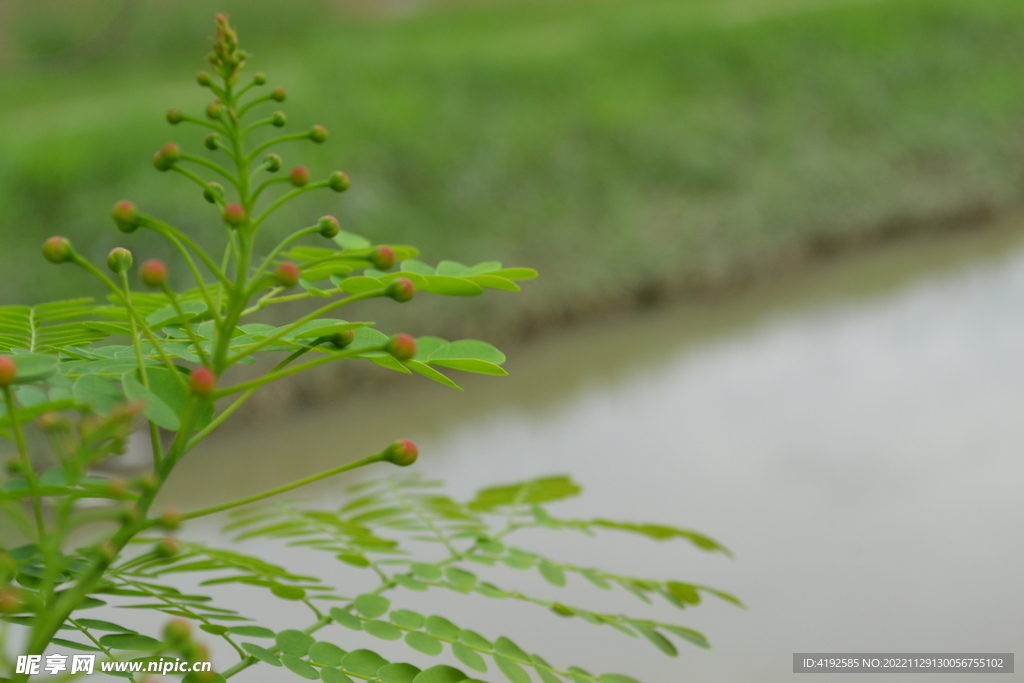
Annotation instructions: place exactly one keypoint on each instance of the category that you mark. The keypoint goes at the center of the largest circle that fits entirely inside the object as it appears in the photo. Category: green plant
(64, 368)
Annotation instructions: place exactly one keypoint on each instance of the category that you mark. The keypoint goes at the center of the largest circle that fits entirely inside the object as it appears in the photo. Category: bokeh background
(782, 291)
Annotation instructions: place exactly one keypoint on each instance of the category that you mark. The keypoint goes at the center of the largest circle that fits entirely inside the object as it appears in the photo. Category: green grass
(606, 143)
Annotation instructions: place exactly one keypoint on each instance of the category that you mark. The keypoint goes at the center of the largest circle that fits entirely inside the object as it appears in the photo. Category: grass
(606, 143)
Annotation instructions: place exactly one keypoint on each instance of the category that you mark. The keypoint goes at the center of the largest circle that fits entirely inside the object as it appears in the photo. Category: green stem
(213, 166)
(26, 462)
(194, 177)
(287, 196)
(278, 249)
(264, 185)
(154, 432)
(258, 100)
(287, 487)
(275, 141)
(274, 376)
(202, 122)
(175, 235)
(187, 325)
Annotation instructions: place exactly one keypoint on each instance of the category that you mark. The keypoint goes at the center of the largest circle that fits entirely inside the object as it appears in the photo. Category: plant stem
(26, 462)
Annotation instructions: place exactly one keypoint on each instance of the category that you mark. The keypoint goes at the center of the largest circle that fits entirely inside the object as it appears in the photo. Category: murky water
(854, 434)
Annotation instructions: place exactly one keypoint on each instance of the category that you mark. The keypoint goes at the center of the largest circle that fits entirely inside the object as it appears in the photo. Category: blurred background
(781, 296)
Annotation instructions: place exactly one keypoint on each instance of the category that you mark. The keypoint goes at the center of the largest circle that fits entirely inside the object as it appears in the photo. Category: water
(852, 433)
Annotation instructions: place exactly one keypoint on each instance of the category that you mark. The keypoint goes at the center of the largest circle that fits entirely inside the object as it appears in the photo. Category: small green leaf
(130, 641)
(512, 671)
(475, 640)
(74, 646)
(470, 658)
(168, 315)
(659, 641)
(683, 592)
(543, 670)
(329, 675)
(97, 393)
(33, 367)
(261, 654)
(287, 592)
(363, 662)
(294, 642)
(452, 286)
(506, 647)
(430, 373)
(382, 630)
(427, 571)
(326, 654)
(688, 635)
(346, 619)
(398, 673)
(460, 577)
(494, 282)
(155, 410)
(516, 273)
(407, 619)
(616, 678)
(354, 560)
(251, 631)
(442, 628)
(100, 625)
(551, 573)
(348, 240)
(215, 629)
(440, 674)
(596, 579)
(360, 284)
(299, 667)
(406, 581)
(371, 606)
(422, 642)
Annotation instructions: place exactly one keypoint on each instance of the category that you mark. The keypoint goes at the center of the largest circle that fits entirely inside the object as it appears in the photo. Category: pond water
(853, 433)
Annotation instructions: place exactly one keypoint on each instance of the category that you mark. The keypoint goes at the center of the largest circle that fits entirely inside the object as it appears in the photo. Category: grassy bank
(608, 144)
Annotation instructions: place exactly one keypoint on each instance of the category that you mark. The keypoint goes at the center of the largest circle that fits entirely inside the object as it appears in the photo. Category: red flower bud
(342, 339)
(8, 371)
(278, 95)
(10, 600)
(338, 181)
(202, 381)
(214, 110)
(168, 155)
(213, 192)
(287, 274)
(318, 134)
(278, 119)
(174, 117)
(170, 520)
(259, 78)
(401, 346)
(329, 226)
(153, 273)
(234, 215)
(177, 631)
(204, 79)
(299, 176)
(400, 289)
(126, 216)
(382, 258)
(119, 260)
(57, 250)
(402, 453)
(273, 163)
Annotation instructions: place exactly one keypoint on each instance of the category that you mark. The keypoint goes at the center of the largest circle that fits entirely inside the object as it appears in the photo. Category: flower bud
(382, 258)
(278, 95)
(119, 260)
(213, 192)
(177, 631)
(174, 117)
(11, 600)
(128, 515)
(106, 552)
(287, 274)
(342, 339)
(170, 519)
(400, 289)
(234, 215)
(338, 181)
(125, 216)
(401, 346)
(168, 155)
(8, 371)
(153, 273)
(204, 79)
(57, 250)
(115, 488)
(318, 134)
(214, 110)
(167, 547)
(402, 453)
(278, 119)
(273, 163)
(202, 381)
(259, 78)
(299, 176)
(212, 141)
(147, 483)
(329, 226)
